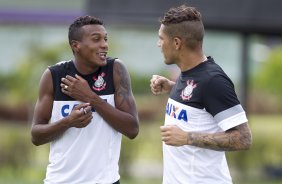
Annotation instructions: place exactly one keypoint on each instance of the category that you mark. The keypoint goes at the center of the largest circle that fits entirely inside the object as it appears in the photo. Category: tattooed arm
(237, 138)
(123, 117)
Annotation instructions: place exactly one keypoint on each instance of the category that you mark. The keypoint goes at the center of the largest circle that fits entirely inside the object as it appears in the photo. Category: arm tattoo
(237, 138)
(123, 90)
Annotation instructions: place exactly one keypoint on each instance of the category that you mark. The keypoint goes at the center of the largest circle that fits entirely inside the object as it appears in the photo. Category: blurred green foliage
(21, 84)
(265, 151)
(265, 94)
(14, 143)
(140, 84)
(17, 155)
(269, 76)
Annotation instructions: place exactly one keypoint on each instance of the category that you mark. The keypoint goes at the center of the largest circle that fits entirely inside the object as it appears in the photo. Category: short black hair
(75, 27)
(184, 22)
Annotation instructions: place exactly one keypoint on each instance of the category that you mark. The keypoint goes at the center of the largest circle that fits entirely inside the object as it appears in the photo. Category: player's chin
(167, 62)
(101, 61)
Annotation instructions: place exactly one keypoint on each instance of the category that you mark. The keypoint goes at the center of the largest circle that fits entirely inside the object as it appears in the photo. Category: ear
(177, 43)
(75, 45)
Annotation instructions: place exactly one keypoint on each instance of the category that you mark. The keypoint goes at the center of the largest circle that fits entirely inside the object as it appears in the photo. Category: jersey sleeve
(221, 101)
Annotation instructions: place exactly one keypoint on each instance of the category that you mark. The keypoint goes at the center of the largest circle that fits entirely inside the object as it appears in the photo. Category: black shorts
(117, 182)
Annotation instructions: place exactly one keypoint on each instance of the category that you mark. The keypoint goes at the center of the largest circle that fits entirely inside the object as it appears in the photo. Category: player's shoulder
(60, 65)
(212, 68)
(119, 64)
(214, 71)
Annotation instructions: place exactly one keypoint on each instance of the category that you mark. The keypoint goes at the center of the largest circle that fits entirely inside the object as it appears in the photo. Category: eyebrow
(98, 34)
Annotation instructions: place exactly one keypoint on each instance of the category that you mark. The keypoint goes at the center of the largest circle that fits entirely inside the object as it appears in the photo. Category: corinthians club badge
(99, 83)
(186, 93)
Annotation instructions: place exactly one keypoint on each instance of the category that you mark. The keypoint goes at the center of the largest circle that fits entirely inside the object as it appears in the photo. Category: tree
(269, 77)
(19, 88)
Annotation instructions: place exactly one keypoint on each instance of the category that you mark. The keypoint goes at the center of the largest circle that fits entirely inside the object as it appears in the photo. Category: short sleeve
(221, 101)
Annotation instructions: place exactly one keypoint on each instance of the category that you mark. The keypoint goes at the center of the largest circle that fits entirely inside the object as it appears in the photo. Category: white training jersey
(202, 100)
(86, 155)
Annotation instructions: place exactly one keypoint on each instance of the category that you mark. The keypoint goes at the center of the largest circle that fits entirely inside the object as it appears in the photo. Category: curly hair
(184, 22)
(181, 14)
(75, 32)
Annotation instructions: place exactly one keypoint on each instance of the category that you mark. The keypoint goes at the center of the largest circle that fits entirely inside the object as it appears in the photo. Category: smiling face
(92, 48)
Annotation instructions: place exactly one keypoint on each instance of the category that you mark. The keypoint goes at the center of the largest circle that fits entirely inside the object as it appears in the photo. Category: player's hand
(80, 116)
(76, 87)
(174, 136)
(160, 85)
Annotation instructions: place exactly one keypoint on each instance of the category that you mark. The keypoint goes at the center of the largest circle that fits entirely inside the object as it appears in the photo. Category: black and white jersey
(202, 100)
(90, 154)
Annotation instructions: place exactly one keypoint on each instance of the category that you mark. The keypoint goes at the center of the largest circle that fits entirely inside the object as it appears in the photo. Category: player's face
(166, 45)
(93, 46)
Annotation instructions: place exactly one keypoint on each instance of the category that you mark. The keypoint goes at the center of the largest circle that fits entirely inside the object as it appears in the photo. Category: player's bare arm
(123, 88)
(125, 102)
(160, 85)
(44, 132)
(124, 116)
(237, 138)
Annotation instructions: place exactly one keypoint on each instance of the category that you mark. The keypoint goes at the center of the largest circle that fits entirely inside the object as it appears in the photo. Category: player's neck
(190, 60)
(83, 68)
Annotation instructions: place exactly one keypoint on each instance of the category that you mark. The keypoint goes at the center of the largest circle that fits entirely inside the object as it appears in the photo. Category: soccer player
(204, 117)
(89, 103)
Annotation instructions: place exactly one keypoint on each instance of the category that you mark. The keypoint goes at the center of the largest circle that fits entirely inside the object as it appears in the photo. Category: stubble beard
(169, 61)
